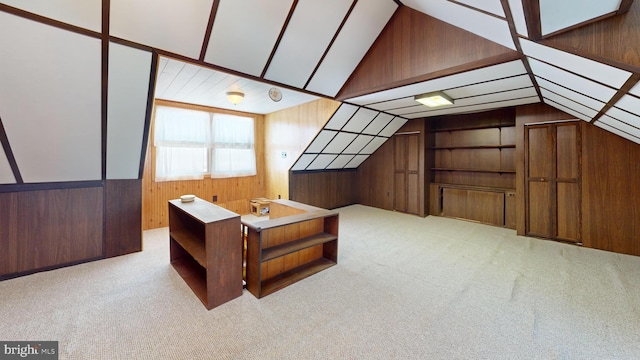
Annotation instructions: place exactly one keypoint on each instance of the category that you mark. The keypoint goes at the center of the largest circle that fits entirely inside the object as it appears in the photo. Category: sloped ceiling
(374, 55)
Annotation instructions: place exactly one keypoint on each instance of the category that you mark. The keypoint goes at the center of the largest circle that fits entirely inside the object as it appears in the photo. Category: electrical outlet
(215, 198)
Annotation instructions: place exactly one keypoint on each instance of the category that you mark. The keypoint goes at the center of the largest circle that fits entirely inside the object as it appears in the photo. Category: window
(192, 144)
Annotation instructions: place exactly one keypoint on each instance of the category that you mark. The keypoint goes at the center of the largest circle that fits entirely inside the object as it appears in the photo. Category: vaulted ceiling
(373, 55)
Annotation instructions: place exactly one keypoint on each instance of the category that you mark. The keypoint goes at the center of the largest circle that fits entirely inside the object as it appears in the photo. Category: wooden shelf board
(293, 246)
(473, 147)
(191, 244)
(285, 279)
(491, 126)
(194, 276)
(504, 171)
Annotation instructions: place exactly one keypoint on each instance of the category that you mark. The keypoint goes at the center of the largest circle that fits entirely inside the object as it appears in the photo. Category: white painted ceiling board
(54, 128)
(600, 72)
(86, 14)
(356, 161)
(245, 32)
(575, 96)
(340, 162)
(486, 26)
(572, 81)
(629, 103)
(129, 72)
(635, 90)
(517, 12)
(557, 15)
(339, 143)
(393, 126)
(308, 34)
(491, 6)
(393, 104)
(341, 116)
(378, 123)
(373, 145)
(358, 144)
(604, 123)
(6, 174)
(321, 161)
(476, 108)
(321, 141)
(625, 116)
(172, 25)
(361, 29)
(488, 73)
(360, 120)
(548, 95)
(621, 125)
(303, 161)
(567, 110)
(498, 85)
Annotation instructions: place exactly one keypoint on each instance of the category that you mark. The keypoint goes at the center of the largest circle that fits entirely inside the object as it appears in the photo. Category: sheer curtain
(232, 152)
(182, 139)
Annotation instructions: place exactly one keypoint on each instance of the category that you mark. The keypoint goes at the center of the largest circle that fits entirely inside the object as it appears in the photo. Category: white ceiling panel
(600, 72)
(378, 124)
(571, 81)
(510, 83)
(393, 126)
(54, 128)
(491, 6)
(81, 13)
(625, 116)
(629, 103)
(360, 120)
(393, 104)
(475, 108)
(356, 161)
(567, 110)
(129, 72)
(373, 145)
(361, 29)
(321, 141)
(358, 144)
(622, 125)
(6, 174)
(557, 15)
(172, 25)
(303, 161)
(339, 143)
(548, 95)
(340, 162)
(635, 90)
(508, 69)
(616, 127)
(308, 34)
(321, 162)
(244, 33)
(577, 97)
(341, 116)
(486, 26)
(517, 12)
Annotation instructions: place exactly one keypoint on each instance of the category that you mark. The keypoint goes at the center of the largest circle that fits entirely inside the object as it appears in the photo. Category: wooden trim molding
(4, 141)
(207, 34)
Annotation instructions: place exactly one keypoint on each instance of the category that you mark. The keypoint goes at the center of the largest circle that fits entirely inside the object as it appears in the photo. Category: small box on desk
(259, 206)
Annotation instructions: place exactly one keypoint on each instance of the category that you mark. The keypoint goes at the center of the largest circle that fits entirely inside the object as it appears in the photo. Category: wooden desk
(296, 242)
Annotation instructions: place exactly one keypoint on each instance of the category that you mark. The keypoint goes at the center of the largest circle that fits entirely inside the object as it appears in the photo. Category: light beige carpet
(405, 287)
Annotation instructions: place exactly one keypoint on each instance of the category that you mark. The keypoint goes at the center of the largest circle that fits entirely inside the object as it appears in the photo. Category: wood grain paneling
(123, 218)
(289, 132)
(325, 189)
(376, 178)
(407, 51)
(233, 193)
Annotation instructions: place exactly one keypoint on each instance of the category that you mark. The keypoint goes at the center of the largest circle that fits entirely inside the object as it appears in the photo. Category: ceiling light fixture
(434, 99)
(235, 97)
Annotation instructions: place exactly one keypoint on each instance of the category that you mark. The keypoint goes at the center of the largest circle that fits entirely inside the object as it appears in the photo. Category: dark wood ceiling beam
(275, 46)
(207, 34)
(532, 17)
(631, 82)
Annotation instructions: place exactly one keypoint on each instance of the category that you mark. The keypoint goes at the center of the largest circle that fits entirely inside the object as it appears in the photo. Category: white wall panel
(82, 13)
(245, 32)
(308, 34)
(556, 15)
(50, 96)
(129, 71)
(365, 23)
(600, 72)
(172, 25)
(6, 175)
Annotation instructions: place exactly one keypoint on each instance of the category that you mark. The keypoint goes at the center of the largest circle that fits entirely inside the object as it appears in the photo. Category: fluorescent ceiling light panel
(434, 99)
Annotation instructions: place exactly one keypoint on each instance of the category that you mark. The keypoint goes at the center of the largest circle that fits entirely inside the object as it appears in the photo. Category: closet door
(553, 193)
(407, 173)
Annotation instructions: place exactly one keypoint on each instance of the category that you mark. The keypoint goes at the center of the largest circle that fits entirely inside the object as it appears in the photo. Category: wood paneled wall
(325, 189)
(232, 193)
(123, 217)
(290, 131)
(407, 51)
(45, 229)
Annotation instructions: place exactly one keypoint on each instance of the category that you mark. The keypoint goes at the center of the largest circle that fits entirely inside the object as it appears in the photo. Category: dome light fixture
(235, 97)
